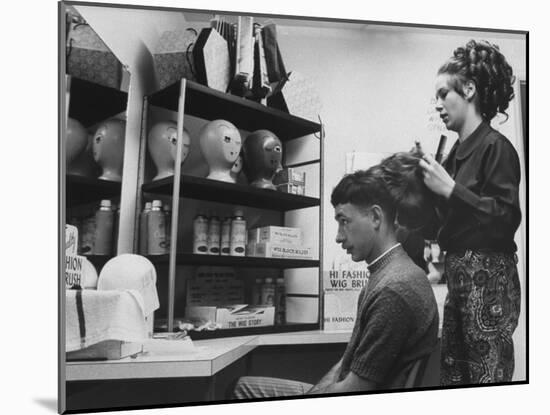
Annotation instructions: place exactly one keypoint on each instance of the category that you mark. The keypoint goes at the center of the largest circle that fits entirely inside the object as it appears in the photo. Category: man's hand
(436, 177)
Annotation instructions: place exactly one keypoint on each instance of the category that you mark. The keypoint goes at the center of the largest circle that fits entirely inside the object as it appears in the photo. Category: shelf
(80, 190)
(216, 334)
(91, 103)
(236, 261)
(232, 193)
(209, 104)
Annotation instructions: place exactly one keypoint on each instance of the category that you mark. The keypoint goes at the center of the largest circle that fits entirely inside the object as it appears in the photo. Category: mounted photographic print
(260, 207)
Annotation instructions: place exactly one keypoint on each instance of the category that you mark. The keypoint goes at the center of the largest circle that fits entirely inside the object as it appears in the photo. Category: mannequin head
(108, 148)
(162, 143)
(262, 152)
(220, 144)
(76, 139)
(237, 167)
(84, 164)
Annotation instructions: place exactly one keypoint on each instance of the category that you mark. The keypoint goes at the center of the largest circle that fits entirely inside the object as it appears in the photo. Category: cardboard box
(290, 175)
(276, 234)
(292, 189)
(233, 316)
(215, 285)
(270, 250)
(106, 350)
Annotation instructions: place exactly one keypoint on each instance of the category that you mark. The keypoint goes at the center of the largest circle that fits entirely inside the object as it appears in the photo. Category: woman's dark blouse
(483, 209)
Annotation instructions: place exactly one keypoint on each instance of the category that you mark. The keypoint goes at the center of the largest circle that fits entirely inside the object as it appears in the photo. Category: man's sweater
(397, 321)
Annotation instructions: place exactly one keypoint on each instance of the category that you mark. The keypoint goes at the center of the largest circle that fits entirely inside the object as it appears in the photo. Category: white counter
(208, 356)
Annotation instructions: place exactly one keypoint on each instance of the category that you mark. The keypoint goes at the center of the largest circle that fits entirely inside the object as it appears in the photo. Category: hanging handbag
(211, 57)
(89, 58)
(244, 57)
(173, 57)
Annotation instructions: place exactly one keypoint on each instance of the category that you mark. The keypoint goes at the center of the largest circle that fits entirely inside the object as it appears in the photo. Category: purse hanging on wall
(260, 82)
(173, 57)
(276, 71)
(244, 57)
(211, 57)
(89, 58)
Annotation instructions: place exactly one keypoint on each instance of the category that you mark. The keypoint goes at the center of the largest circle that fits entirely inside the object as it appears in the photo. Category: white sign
(73, 271)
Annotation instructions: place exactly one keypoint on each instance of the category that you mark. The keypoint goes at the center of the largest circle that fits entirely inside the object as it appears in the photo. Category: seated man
(397, 317)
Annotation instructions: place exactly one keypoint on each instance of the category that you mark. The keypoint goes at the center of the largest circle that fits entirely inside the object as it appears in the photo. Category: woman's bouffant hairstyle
(396, 184)
(482, 63)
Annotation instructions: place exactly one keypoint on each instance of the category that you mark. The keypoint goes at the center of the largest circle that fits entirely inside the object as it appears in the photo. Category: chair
(425, 371)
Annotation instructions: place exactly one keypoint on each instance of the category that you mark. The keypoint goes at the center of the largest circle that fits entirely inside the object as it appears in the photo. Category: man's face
(356, 231)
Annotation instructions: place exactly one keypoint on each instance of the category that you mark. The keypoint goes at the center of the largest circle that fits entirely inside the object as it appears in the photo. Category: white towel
(93, 316)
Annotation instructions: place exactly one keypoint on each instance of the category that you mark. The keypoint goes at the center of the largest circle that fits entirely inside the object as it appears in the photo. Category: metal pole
(175, 209)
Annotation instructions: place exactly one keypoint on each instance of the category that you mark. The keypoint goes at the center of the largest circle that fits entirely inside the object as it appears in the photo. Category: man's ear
(469, 89)
(377, 215)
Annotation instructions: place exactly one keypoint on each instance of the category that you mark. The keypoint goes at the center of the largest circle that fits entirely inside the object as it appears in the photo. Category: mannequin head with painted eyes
(263, 152)
(162, 142)
(108, 148)
(220, 144)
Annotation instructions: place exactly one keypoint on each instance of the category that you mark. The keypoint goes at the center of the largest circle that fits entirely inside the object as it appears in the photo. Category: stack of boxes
(277, 242)
(290, 180)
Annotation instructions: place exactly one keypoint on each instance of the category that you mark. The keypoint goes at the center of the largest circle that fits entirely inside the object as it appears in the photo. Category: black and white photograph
(267, 210)
(262, 207)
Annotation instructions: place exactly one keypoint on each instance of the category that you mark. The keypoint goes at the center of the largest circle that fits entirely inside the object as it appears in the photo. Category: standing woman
(477, 188)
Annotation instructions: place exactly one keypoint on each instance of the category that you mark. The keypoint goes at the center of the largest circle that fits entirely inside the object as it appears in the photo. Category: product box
(106, 350)
(290, 175)
(292, 189)
(276, 234)
(215, 285)
(233, 316)
(71, 240)
(271, 250)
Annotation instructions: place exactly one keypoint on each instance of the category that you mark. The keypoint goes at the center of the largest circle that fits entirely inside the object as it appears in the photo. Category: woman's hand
(436, 177)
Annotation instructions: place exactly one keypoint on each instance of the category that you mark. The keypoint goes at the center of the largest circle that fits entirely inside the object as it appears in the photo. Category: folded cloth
(94, 316)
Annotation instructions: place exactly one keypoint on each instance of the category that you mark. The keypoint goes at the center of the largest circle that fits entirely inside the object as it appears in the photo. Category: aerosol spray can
(168, 225)
(268, 292)
(200, 234)
(143, 248)
(156, 230)
(103, 236)
(225, 241)
(238, 234)
(280, 301)
(214, 235)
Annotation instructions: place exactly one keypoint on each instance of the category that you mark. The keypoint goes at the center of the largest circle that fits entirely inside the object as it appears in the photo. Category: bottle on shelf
(238, 234)
(103, 235)
(116, 225)
(225, 239)
(143, 246)
(200, 234)
(167, 209)
(156, 230)
(268, 292)
(280, 301)
(256, 293)
(213, 240)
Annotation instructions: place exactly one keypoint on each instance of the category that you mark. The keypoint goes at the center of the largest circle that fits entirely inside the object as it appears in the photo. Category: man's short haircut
(364, 188)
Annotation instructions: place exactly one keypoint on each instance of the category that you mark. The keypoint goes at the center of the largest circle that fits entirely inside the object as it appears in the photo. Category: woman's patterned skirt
(480, 315)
